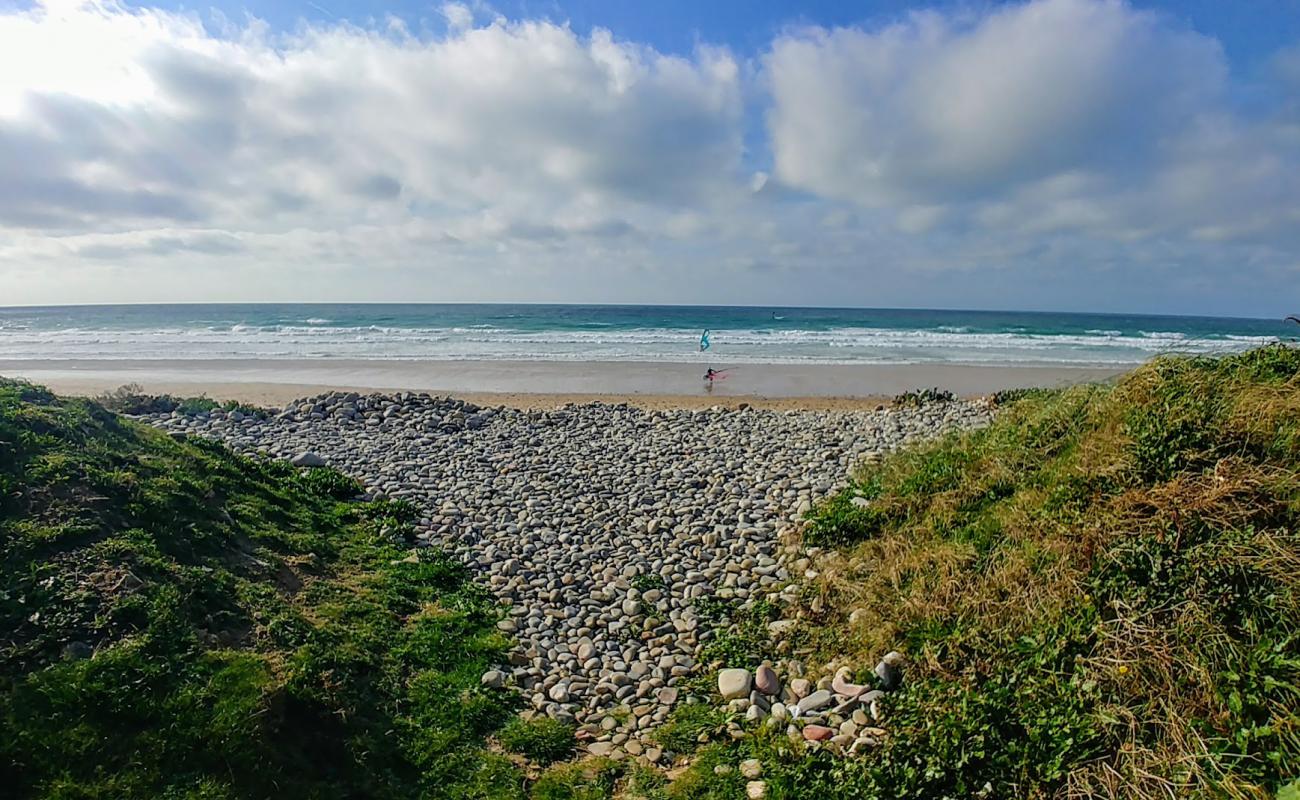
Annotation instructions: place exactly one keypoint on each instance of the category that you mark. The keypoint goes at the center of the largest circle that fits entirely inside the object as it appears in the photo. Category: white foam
(849, 345)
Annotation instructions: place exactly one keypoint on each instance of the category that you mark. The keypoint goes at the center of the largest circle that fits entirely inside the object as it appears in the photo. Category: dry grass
(1152, 525)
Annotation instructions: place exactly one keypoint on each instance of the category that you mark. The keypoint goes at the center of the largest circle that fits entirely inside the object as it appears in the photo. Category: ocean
(451, 332)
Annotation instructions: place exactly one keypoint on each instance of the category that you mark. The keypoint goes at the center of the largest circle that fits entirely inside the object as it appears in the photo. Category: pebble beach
(597, 526)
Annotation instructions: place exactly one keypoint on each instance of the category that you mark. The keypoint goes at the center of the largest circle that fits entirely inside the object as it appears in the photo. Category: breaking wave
(320, 338)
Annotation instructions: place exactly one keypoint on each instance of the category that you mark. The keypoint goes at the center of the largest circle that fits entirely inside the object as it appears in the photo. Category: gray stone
(558, 511)
(862, 743)
(307, 459)
(817, 700)
(780, 713)
(493, 679)
(765, 680)
(733, 683)
(890, 670)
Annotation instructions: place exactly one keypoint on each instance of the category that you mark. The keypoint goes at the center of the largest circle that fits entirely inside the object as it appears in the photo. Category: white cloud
(458, 15)
(1049, 127)
(337, 125)
(1058, 153)
(937, 108)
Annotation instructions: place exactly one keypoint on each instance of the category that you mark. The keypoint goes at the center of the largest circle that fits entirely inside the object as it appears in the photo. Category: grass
(646, 582)
(542, 739)
(736, 635)
(600, 779)
(1099, 595)
(688, 722)
(179, 621)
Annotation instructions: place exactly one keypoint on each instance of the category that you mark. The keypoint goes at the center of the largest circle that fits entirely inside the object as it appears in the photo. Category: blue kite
(704, 340)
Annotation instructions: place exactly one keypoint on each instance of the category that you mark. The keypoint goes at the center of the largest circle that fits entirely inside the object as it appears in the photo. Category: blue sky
(1249, 30)
(1040, 154)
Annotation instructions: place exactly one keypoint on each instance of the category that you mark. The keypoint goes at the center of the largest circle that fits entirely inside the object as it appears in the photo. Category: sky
(1076, 155)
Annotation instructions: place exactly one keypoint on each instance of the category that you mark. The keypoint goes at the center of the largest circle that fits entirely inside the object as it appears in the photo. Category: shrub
(131, 399)
(917, 398)
(328, 482)
(1005, 397)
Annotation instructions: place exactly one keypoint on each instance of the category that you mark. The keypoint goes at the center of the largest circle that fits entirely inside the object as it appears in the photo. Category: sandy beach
(530, 384)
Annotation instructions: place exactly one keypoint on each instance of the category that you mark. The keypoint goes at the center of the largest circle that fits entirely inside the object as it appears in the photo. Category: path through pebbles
(600, 525)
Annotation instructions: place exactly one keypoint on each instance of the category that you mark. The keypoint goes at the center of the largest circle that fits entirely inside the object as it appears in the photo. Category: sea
(452, 332)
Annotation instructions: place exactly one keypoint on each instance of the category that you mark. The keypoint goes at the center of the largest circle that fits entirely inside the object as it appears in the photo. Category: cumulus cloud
(940, 107)
(1038, 122)
(173, 124)
(1049, 153)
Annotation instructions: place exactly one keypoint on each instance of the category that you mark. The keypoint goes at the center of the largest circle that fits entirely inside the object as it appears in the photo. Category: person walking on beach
(714, 375)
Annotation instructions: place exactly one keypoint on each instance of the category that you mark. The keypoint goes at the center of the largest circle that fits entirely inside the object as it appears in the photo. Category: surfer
(714, 375)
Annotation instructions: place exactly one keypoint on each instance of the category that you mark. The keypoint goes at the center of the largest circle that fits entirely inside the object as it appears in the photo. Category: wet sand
(533, 384)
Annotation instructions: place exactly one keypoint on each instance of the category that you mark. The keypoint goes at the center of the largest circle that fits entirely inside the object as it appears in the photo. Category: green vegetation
(735, 635)
(131, 399)
(923, 397)
(689, 721)
(645, 582)
(542, 739)
(599, 779)
(179, 621)
(1005, 397)
(1100, 594)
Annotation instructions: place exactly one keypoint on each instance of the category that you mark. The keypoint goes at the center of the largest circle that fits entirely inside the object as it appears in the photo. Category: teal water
(614, 333)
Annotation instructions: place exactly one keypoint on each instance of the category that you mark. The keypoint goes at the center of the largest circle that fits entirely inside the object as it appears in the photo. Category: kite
(704, 340)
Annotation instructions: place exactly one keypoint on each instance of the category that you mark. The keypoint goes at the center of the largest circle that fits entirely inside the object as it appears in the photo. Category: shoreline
(540, 384)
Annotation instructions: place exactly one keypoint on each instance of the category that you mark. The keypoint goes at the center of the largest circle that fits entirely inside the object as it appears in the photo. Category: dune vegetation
(1098, 596)
(179, 621)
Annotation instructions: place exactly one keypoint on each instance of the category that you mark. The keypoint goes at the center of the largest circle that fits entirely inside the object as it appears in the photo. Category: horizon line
(625, 305)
